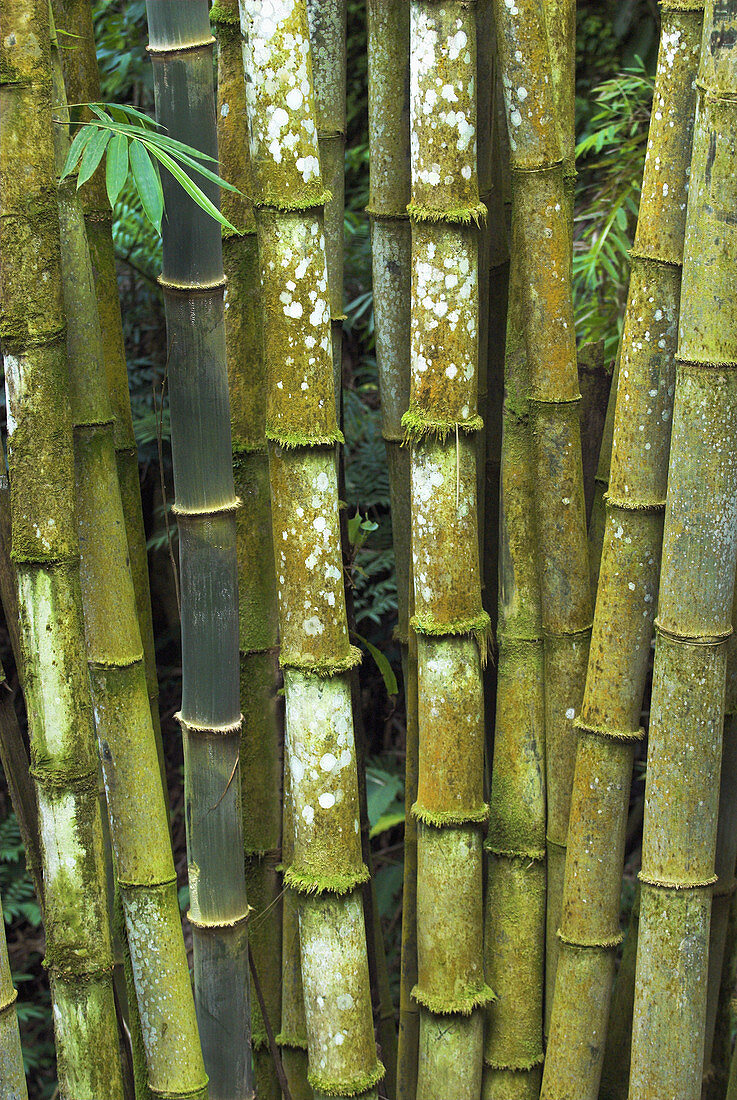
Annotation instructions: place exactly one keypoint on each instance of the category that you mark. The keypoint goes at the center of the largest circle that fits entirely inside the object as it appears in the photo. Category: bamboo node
(607, 943)
(5, 1006)
(218, 926)
(676, 884)
(441, 818)
(312, 883)
(418, 427)
(323, 667)
(633, 505)
(517, 1067)
(459, 215)
(213, 731)
(533, 399)
(163, 51)
(292, 1042)
(346, 1086)
(61, 778)
(693, 639)
(524, 855)
(291, 440)
(190, 290)
(478, 627)
(451, 1006)
(203, 513)
(605, 731)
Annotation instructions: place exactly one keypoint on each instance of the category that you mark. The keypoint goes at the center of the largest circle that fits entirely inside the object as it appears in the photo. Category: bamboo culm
(260, 679)
(144, 865)
(694, 607)
(205, 504)
(609, 722)
(541, 212)
(12, 1075)
(46, 558)
(451, 626)
(326, 869)
(597, 522)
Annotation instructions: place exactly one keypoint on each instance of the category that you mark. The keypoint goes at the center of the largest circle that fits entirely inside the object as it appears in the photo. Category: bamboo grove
(554, 648)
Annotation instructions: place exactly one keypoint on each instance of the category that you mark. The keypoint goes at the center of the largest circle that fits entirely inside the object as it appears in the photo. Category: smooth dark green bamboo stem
(46, 558)
(82, 81)
(12, 1075)
(451, 626)
(694, 607)
(609, 722)
(144, 866)
(326, 869)
(206, 505)
(388, 76)
(597, 523)
(514, 947)
(541, 211)
(262, 734)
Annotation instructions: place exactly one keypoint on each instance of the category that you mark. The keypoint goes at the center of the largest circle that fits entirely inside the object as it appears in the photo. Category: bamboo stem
(144, 867)
(695, 603)
(597, 523)
(609, 722)
(616, 1066)
(12, 1075)
(326, 868)
(15, 765)
(260, 680)
(206, 506)
(46, 557)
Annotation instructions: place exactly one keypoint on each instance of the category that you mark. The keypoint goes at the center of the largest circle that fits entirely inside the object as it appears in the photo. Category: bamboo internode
(12, 1076)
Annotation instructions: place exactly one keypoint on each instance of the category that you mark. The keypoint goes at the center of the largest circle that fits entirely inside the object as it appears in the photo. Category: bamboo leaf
(93, 154)
(116, 168)
(386, 822)
(81, 138)
(382, 663)
(148, 183)
(191, 188)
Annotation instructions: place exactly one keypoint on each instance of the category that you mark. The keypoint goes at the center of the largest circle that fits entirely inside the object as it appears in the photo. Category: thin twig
(273, 1048)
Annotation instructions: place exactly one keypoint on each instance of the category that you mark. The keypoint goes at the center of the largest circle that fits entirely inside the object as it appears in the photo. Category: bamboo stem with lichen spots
(327, 869)
(144, 866)
(451, 626)
(541, 212)
(609, 723)
(205, 504)
(46, 558)
(82, 81)
(12, 1075)
(262, 734)
(389, 180)
(514, 947)
(695, 605)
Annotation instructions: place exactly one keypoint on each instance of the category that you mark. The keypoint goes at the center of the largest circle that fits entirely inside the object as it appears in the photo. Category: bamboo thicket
(451, 626)
(144, 866)
(695, 605)
(12, 1075)
(261, 736)
(205, 504)
(46, 558)
(609, 722)
(327, 869)
(540, 197)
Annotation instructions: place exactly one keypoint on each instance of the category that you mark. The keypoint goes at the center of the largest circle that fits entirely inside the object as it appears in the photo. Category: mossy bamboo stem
(326, 869)
(451, 626)
(144, 866)
(262, 734)
(541, 212)
(46, 558)
(514, 947)
(597, 523)
(82, 81)
(388, 102)
(694, 608)
(12, 1075)
(206, 506)
(609, 722)
(15, 765)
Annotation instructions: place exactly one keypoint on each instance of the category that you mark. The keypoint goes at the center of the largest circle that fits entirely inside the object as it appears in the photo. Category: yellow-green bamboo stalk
(597, 523)
(12, 1075)
(694, 608)
(389, 179)
(326, 869)
(46, 557)
(206, 504)
(514, 947)
(144, 866)
(609, 722)
(261, 737)
(615, 1071)
(540, 206)
(82, 81)
(451, 626)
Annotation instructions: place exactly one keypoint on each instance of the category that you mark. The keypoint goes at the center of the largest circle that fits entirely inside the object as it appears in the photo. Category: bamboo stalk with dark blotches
(260, 679)
(205, 504)
(12, 1075)
(540, 205)
(451, 626)
(514, 946)
(144, 865)
(46, 558)
(694, 607)
(326, 870)
(609, 722)
(389, 181)
(82, 81)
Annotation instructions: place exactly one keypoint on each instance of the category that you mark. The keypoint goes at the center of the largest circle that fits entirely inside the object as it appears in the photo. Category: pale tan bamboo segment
(695, 602)
(541, 207)
(12, 1075)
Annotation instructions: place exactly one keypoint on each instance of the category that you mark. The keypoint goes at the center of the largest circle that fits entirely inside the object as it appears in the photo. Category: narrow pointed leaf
(382, 663)
(147, 183)
(191, 188)
(93, 154)
(117, 166)
(81, 139)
